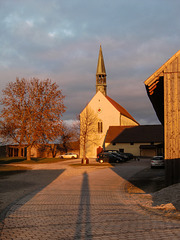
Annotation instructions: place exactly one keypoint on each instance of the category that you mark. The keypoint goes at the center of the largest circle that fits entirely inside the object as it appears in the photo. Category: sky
(60, 40)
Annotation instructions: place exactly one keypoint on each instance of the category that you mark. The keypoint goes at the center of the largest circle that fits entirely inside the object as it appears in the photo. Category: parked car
(118, 156)
(111, 151)
(129, 155)
(124, 156)
(69, 155)
(108, 157)
(157, 161)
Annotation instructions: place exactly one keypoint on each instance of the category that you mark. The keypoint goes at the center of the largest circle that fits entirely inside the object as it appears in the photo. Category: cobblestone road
(86, 203)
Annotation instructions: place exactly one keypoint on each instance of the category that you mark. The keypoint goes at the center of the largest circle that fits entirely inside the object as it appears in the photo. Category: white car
(157, 161)
(69, 155)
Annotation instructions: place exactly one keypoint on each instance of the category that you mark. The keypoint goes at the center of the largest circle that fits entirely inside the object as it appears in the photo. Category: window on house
(114, 144)
(16, 150)
(22, 152)
(100, 127)
(131, 143)
(10, 152)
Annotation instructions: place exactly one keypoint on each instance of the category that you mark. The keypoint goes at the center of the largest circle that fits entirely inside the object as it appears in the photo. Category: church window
(100, 127)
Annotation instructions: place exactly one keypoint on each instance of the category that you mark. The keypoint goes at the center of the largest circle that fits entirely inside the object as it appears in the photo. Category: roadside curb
(163, 211)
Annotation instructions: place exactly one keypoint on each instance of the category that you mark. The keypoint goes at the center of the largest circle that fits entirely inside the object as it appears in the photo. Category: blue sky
(60, 39)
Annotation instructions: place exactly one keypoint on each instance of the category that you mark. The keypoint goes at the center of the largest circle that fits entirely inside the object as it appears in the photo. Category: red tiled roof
(114, 132)
(136, 134)
(120, 109)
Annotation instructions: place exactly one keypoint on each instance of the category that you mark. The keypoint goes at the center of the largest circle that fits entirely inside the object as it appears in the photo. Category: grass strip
(19, 160)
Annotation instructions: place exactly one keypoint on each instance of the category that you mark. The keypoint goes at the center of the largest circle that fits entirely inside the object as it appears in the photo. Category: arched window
(100, 127)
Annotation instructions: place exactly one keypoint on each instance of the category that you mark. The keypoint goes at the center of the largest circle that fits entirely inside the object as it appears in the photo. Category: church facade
(104, 111)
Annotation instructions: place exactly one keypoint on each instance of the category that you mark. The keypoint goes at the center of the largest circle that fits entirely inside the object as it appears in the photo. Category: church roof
(120, 109)
(100, 66)
(135, 134)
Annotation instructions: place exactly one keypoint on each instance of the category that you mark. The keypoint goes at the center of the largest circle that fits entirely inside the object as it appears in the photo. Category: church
(99, 114)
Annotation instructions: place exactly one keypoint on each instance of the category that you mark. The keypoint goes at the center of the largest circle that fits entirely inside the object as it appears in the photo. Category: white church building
(106, 113)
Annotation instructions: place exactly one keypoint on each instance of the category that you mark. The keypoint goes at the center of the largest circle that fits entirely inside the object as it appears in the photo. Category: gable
(99, 101)
(163, 78)
(109, 105)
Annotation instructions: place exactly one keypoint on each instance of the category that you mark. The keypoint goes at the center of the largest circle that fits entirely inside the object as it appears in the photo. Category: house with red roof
(141, 140)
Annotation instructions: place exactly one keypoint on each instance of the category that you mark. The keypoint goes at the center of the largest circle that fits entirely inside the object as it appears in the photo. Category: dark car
(129, 155)
(118, 156)
(123, 156)
(107, 157)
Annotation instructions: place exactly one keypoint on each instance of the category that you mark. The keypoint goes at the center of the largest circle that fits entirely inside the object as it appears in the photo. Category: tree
(49, 149)
(32, 112)
(88, 131)
(68, 137)
(68, 140)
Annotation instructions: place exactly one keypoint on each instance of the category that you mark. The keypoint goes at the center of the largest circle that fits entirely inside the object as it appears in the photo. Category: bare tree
(68, 137)
(54, 149)
(32, 112)
(66, 142)
(48, 149)
(88, 131)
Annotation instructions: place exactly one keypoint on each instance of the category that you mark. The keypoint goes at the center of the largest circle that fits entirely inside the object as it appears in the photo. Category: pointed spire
(101, 74)
(100, 66)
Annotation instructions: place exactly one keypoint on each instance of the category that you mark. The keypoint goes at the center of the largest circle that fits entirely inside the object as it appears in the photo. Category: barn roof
(135, 134)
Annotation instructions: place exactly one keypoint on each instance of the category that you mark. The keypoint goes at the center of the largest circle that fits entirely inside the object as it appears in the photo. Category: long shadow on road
(17, 189)
(143, 181)
(83, 223)
(147, 179)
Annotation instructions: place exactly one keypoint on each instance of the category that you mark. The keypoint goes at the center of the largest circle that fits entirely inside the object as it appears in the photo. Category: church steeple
(101, 74)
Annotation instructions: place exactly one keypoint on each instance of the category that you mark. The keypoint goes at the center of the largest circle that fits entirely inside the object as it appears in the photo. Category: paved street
(85, 203)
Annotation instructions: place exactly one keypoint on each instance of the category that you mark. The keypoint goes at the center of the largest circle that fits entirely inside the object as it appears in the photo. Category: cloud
(60, 40)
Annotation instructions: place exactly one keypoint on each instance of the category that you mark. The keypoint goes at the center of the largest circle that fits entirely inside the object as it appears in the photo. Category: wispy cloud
(60, 40)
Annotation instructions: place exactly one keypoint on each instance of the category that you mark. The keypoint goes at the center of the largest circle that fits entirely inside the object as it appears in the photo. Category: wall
(134, 149)
(172, 109)
(3, 151)
(127, 122)
(109, 116)
(170, 72)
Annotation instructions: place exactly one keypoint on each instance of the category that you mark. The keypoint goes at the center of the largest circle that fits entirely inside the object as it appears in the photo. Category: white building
(106, 113)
